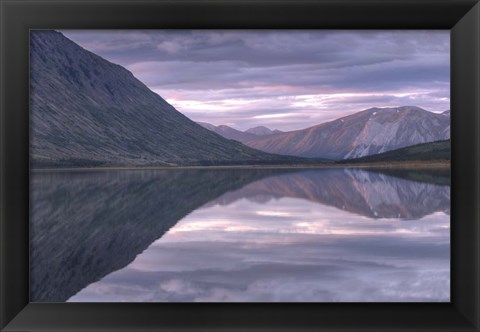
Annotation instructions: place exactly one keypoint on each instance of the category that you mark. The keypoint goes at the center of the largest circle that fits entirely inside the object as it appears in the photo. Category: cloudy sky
(282, 79)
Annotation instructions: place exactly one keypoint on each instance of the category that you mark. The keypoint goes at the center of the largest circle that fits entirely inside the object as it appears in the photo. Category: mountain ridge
(368, 132)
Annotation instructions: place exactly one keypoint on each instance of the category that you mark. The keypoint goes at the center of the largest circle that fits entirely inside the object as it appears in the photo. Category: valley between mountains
(89, 112)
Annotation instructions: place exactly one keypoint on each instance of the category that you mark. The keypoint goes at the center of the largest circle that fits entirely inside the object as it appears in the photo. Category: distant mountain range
(238, 135)
(86, 111)
(262, 131)
(228, 132)
(365, 133)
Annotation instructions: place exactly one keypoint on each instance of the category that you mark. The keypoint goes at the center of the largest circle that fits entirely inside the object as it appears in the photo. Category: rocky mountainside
(86, 111)
(368, 132)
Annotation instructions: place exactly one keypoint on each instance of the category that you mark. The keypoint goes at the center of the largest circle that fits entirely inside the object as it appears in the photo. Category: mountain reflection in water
(322, 235)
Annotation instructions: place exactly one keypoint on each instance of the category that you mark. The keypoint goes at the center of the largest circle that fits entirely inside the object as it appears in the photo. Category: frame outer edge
(13, 173)
(2, 158)
(467, 33)
(3, 34)
(476, 254)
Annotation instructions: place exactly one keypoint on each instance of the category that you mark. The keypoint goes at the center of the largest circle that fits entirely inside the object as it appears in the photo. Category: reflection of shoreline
(438, 176)
(86, 225)
(435, 164)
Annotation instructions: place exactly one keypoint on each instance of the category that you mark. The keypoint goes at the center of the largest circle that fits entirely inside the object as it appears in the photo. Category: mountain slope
(86, 111)
(368, 132)
(439, 150)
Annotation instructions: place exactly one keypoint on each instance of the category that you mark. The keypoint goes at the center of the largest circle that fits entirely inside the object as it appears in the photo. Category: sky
(285, 80)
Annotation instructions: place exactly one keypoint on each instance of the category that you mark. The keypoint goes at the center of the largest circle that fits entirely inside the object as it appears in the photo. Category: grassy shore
(433, 164)
(428, 164)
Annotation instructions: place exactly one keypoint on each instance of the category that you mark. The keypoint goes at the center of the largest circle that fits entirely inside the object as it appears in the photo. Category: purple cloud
(244, 78)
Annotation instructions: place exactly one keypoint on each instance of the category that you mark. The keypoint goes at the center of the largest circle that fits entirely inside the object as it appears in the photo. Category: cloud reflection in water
(254, 244)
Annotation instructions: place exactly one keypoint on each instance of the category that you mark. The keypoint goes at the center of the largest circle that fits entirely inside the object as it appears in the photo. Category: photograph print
(239, 166)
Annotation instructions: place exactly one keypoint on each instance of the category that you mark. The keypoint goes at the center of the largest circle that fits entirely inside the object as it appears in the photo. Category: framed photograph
(232, 165)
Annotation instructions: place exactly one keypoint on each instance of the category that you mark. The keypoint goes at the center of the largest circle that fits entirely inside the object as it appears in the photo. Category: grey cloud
(271, 47)
(233, 74)
(238, 64)
(311, 274)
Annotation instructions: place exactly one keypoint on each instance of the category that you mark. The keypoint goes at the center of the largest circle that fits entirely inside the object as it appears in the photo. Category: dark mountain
(86, 111)
(368, 132)
(262, 131)
(439, 150)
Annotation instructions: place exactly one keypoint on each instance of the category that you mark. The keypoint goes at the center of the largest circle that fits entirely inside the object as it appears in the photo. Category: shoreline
(413, 165)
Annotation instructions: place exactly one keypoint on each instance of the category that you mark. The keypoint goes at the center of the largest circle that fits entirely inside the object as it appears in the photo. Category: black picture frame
(462, 17)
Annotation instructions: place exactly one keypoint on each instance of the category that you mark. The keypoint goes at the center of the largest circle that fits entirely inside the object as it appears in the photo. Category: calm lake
(229, 235)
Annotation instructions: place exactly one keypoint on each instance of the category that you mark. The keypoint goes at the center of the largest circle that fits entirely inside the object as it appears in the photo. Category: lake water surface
(288, 235)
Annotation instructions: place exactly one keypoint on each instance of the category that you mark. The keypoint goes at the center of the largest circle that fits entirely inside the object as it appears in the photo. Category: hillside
(86, 111)
(439, 150)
